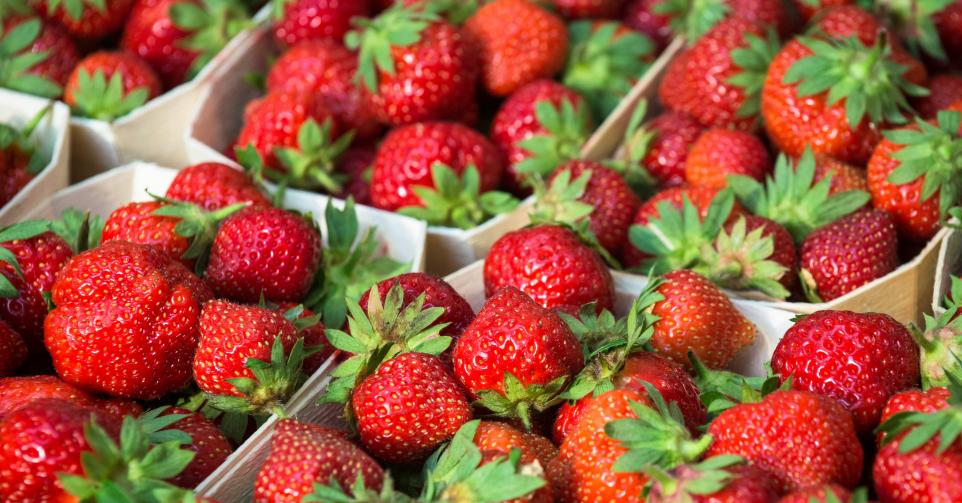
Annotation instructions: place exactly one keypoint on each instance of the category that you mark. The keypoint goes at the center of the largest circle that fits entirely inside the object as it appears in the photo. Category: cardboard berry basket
(52, 139)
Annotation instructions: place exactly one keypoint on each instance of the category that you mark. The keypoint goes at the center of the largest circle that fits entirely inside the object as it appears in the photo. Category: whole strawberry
(945, 89)
(212, 186)
(209, 445)
(719, 153)
(20, 390)
(86, 19)
(666, 141)
(300, 20)
(137, 223)
(126, 321)
(588, 9)
(265, 252)
(645, 16)
(847, 254)
(107, 85)
(437, 293)
(914, 400)
(41, 56)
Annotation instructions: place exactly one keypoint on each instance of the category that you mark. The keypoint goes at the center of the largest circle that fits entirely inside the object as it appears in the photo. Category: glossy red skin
(802, 439)
(520, 42)
(516, 122)
(212, 186)
(944, 90)
(264, 251)
(719, 153)
(136, 223)
(513, 334)
(303, 454)
(134, 73)
(674, 135)
(845, 177)
(326, 68)
(915, 400)
(696, 316)
(496, 440)
(406, 155)
(434, 79)
(613, 200)
(151, 34)
(209, 445)
(784, 252)
(41, 440)
(550, 265)
(696, 81)
(949, 24)
(640, 16)
(850, 252)
(858, 359)
(437, 293)
(13, 350)
(230, 334)
(405, 394)
(318, 20)
(125, 322)
(588, 9)
(314, 336)
(40, 259)
(357, 164)
(15, 392)
(62, 50)
(920, 476)
(93, 23)
(818, 494)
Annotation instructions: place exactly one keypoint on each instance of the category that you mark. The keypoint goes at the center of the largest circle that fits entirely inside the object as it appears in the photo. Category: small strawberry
(719, 153)
(516, 356)
(214, 186)
(520, 42)
(945, 89)
(844, 176)
(661, 146)
(551, 265)
(588, 9)
(721, 479)
(644, 16)
(86, 19)
(15, 392)
(826, 493)
(931, 400)
(209, 445)
(108, 85)
(847, 254)
(297, 21)
(12, 348)
(303, 454)
(35, 57)
(802, 439)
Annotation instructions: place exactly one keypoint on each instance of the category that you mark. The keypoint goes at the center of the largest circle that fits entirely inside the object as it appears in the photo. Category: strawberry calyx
(635, 146)
(753, 61)
(75, 8)
(723, 389)
(914, 20)
(100, 99)
(398, 26)
(80, 229)
(791, 199)
(941, 340)
(211, 24)
(740, 260)
(457, 201)
(604, 64)
(197, 225)
(517, 400)
(933, 151)
(16, 60)
(693, 18)
(702, 479)
(312, 164)
(867, 78)
(568, 128)
(920, 428)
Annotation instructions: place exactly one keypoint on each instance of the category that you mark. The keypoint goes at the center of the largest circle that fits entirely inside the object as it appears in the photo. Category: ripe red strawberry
(520, 42)
(717, 80)
(719, 153)
(858, 359)
(845, 177)
(516, 355)
(125, 322)
(801, 438)
(86, 19)
(847, 254)
(264, 251)
(212, 186)
(26, 41)
(13, 350)
(92, 90)
(643, 16)
(325, 68)
(437, 293)
(551, 265)
(945, 89)
(407, 155)
(301, 20)
(209, 445)
(15, 392)
(696, 316)
(137, 223)
(914, 400)
(496, 439)
(716, 480)
(303, 454)
(406, 392)
(357, 165)
(819, 494)
(666, 142)
(588, 9)
(310, 328)
(431, 76)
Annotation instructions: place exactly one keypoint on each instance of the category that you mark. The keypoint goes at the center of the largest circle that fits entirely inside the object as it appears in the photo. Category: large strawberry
(86, 19)
(300, 20)
(213, 186)
(107, 85)
(37, 57)
(516, 356)
(719, 153)
(15, 392)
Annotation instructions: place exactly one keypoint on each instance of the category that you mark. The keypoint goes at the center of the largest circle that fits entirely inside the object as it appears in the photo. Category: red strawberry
(406, 392)
(91, 89)
(209, 445)
(357, 165)
(407, 155)
(15, 392)
(588, 9)
(667, 140)
(520, 42)
(551, 265)
(437, 293)
(944, 90)
(125, 322)
(801, 438)
(643, 16)
(721, 152)
(858, 359)
(325, 68)
(516, 355)
(137, 223)
(13, 350)
(819, 494)
(302, 20)
(693, 20)
(845, 177)
(213, 186)
(264, 251)
(309, 327)
(947, 22)
(914, 400)
(27, 39)
(496, 439)
(86, 19)
(739, 483)
(848, 253)
(304, 454)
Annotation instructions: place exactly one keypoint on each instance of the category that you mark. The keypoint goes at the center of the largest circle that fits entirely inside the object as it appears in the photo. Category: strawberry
(520, 42)
(537, 354)
(303, 454)
(437, 293)
(784, 251)
(802, 439)
(827, 493)
(178, 37)
(914, 400)
(312, 330)
(325, 68)
(266, 252)
(86, 19)
(209, 445)
(644, 16)
(431, 75)
(721, 479)
(357, 165)
(947, 23)
(913, 174)
(138, 223)
(126, 321)
(848, 253)
(663, 144)
(718, 79)
(301, 20)
(408, 155)
(389, 425)
(941, 339)
(214, 186)
(38, 57)
(15, 392)
(844, 176)
(719, 153)
(539, 126)
(13, 348)
(694, 20)
(107, 85)
(496, 439)
(551, 265)
(858, 359)
(945, 89)
(588, 9)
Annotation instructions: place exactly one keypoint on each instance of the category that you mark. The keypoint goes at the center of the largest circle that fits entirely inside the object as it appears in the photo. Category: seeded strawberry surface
(136, 223)
(212, 186)
(209, 445)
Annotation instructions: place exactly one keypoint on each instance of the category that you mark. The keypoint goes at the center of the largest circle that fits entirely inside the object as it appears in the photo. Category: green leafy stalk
(102, 99)
(211, 25)
(568, 128)
(398, 26)
(17, 61)
(456, 201)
